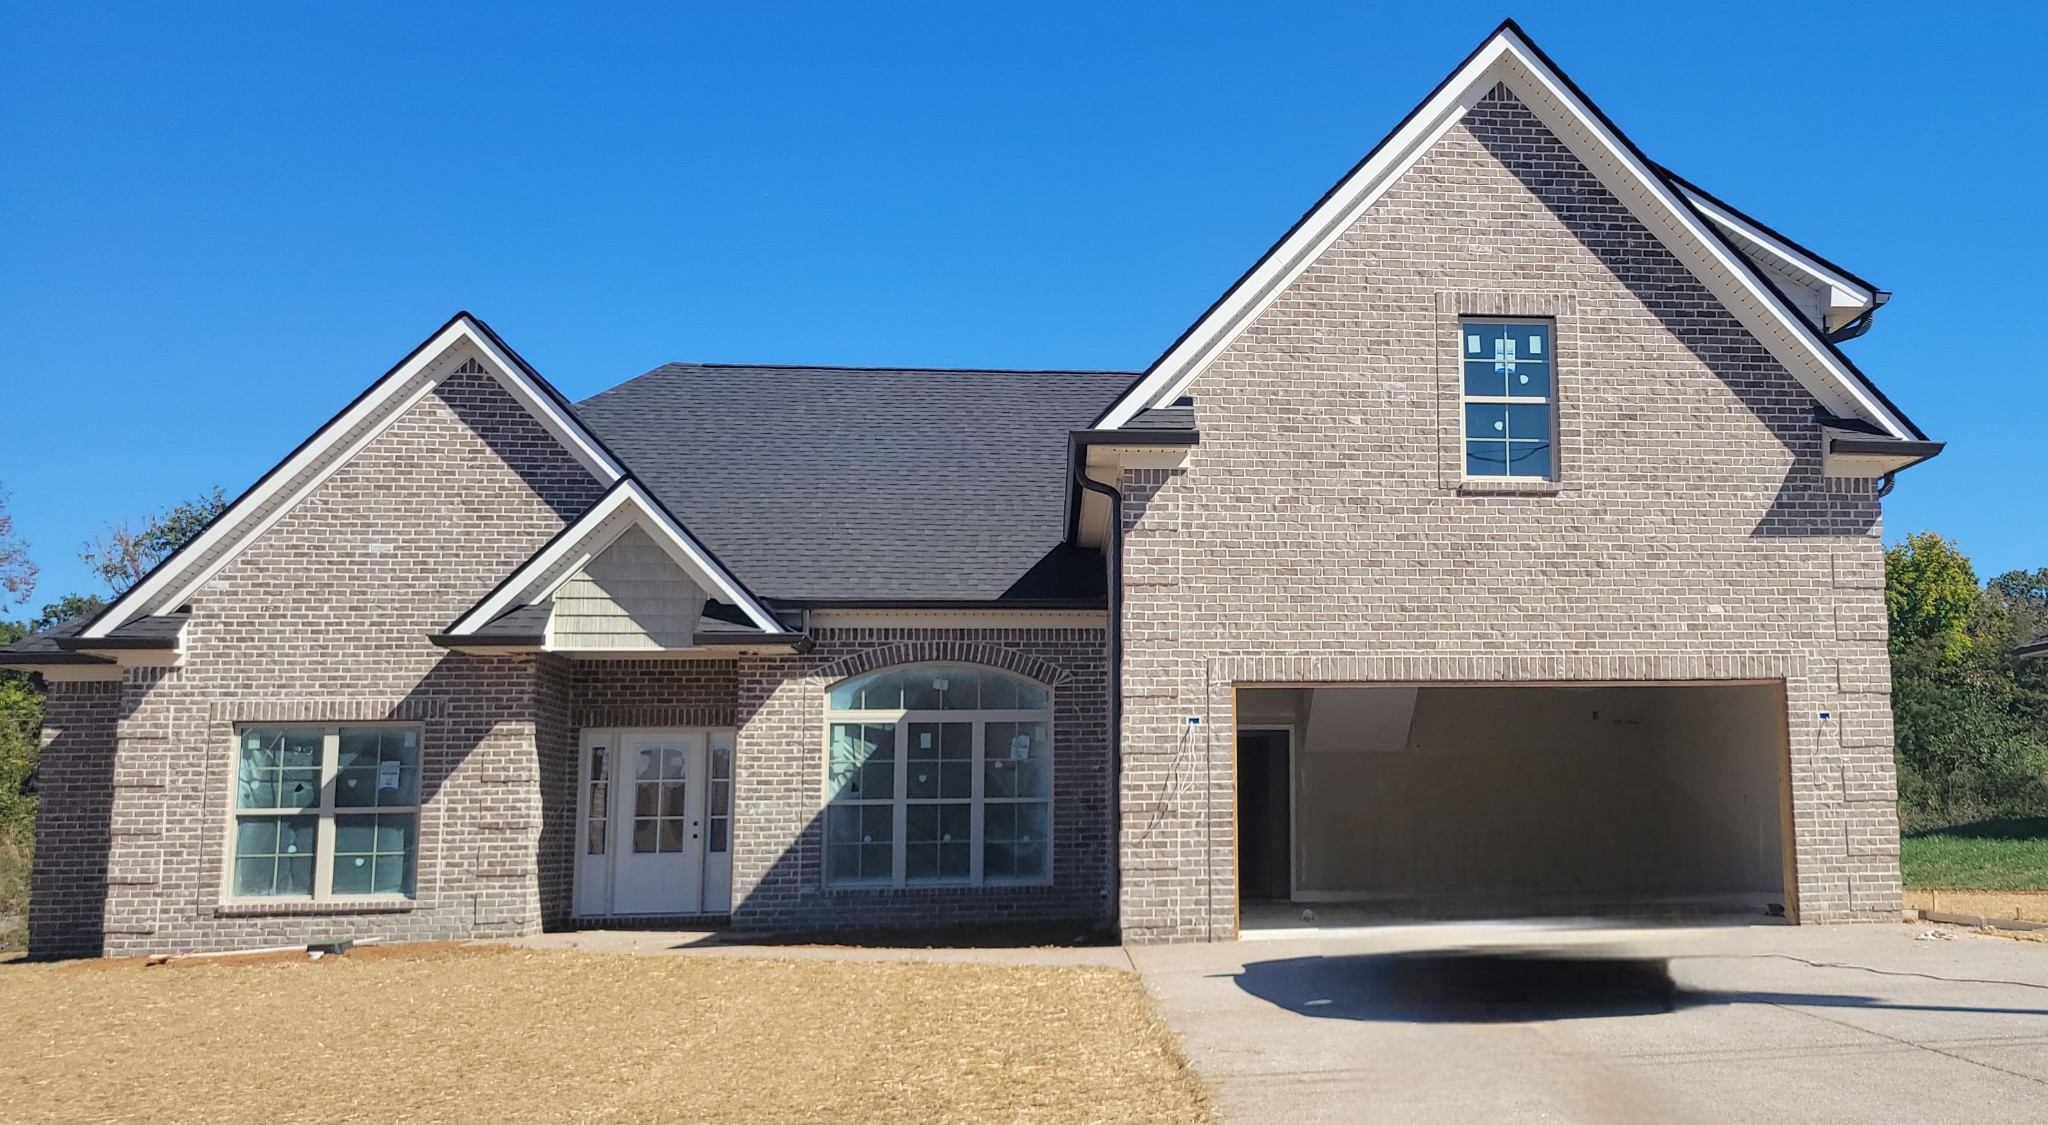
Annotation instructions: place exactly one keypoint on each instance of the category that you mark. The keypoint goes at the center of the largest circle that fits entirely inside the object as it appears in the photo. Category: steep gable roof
(463, 344)
(1508, 57)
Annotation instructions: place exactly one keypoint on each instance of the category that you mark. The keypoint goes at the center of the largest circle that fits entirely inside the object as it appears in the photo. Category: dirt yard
(2029, 906)
(493, 1034)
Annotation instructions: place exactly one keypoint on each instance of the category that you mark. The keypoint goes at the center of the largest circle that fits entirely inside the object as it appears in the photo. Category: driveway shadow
(1492, 988)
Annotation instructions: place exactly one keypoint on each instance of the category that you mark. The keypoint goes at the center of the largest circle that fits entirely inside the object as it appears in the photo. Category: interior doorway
(1265, 812)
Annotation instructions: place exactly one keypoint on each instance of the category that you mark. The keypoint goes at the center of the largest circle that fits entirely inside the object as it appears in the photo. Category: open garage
(1401, 802)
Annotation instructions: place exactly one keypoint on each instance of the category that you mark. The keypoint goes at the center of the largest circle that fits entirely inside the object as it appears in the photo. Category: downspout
(1113, 557)
(1885, 483)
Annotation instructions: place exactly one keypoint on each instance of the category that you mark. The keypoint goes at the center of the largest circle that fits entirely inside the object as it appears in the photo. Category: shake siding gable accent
(1314, 536)
(630, 596)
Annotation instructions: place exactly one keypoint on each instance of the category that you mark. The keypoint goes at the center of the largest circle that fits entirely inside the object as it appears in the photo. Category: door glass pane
(600, 802)
(659, 799)
(718, 799)
(377, 766)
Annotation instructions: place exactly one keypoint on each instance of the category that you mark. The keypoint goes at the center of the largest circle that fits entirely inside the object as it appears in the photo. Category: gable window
(1507, 400)
(325, 812)
(938, 773)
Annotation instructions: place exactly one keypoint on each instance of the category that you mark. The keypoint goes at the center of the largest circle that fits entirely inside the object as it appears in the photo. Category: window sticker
(1471, 344)
(387, 777)
(1535, 343)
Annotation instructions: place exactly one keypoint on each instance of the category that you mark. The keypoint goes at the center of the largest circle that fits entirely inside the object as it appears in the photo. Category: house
(1505, 540)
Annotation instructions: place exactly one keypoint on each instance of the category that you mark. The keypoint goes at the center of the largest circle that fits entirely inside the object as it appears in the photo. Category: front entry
(656, 811)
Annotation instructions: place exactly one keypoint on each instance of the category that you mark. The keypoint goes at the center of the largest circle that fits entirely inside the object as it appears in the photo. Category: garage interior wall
(1456, 797)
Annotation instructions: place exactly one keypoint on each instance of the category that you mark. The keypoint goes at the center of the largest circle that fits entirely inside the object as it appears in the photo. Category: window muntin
(938, 774)
(1508, 377)
(325, 812)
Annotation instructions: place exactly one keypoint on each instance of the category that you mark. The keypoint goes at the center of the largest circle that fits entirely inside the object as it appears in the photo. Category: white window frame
(1548, 402)
(326, 811)
(900, 801)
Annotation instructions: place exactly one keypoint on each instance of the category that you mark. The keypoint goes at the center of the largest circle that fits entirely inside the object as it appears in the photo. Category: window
(325, 812)
(1507, 371)
(938, 773)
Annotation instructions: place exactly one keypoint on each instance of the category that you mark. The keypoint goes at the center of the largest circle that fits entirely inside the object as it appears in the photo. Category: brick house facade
(1283, 503)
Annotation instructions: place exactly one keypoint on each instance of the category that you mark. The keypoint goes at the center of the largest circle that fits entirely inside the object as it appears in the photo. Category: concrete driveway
(1824, 1024)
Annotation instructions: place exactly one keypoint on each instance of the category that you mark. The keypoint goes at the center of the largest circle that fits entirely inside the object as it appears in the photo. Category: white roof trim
(1508, 58)
(1844, 292)
(626, 505)
(334, 444)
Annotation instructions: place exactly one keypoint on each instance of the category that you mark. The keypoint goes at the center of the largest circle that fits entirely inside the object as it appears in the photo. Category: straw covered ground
(456, 1033)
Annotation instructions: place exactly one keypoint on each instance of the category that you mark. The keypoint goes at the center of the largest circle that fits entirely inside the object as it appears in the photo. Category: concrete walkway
(1822, 1024)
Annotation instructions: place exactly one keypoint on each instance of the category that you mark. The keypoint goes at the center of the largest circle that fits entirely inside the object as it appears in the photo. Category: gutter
(1113, 558)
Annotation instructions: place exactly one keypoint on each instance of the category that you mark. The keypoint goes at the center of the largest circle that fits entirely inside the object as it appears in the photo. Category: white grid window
(1507, 371)
(325, 812)
(938, 774)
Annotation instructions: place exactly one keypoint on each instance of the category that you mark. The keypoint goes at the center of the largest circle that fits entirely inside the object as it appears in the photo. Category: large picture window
(325, 811)
(1508, 399)
(938, 773)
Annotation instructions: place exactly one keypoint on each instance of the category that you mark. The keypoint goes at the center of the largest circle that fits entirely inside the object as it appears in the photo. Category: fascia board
(1506, 58)
(333, 446)
(1843, 291)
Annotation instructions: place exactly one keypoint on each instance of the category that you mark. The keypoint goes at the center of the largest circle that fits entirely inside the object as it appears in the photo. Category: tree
(124, 554)
(65, 608)
(17, 573)
(1930, 594)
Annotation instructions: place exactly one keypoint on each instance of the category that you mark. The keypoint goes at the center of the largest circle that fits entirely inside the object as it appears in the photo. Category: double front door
(656, 817)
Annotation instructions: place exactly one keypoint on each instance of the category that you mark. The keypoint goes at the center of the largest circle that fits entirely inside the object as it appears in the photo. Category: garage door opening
(1400, 803)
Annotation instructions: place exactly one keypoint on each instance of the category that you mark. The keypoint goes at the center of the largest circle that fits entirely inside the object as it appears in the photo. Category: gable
(630, 596)
(1508, 60)
(462, 349)
(646, 597)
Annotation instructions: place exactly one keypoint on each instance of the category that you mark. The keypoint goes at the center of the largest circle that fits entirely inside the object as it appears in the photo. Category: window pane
(1529, 380)
(1016, 761)
(595, 843)
(1486, 420)
(863, 763)
(1015, 836)
(643, 835)
(671, 835)
(1529, 459)
(938, 760)
(374, 853)
(377, 766)
(278, 769)
(1486, 458)
(938, 687)
(274, 854)
(715, 835)
(1527, 423)
(1485, 379)
(859, 843)
(937, 843)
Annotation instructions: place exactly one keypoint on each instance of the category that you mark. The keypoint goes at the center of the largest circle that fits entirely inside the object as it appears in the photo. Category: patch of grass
(1989, 855)
(508, 1035)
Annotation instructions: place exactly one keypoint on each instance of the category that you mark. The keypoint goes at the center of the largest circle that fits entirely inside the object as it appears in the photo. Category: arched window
(938, 773)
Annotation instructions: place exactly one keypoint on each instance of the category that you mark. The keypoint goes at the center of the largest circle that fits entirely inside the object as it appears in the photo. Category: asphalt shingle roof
(839, 484)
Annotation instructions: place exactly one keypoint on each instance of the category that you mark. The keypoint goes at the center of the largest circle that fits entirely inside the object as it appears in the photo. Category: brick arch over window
(938, 652)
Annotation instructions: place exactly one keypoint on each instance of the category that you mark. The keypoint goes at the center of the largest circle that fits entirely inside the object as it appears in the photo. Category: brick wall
(324, 618)
(74, 780)
(779, 781)
(1320, 532)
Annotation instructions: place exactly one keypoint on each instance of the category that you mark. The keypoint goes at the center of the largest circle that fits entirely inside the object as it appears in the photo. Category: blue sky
(219, 223)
